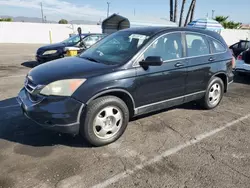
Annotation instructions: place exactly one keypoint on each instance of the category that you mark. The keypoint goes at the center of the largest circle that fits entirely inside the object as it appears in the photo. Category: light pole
(213, 14)
(42, 12)
(108, 9)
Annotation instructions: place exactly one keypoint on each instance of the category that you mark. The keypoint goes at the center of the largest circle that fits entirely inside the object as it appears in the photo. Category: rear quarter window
(217, 47)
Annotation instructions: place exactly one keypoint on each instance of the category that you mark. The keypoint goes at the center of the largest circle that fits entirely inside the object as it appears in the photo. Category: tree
(6, 19)
(189, 12)
(227, 24)
(175, 10)
(171, 10)
(192, 12)
(221, 19)
(231, 25)
(182, 10)
(63, 21)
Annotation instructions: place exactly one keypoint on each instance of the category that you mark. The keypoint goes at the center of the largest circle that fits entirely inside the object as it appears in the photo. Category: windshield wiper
(91, 59)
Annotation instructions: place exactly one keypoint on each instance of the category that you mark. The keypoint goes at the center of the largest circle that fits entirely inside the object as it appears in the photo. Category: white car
(243, 62)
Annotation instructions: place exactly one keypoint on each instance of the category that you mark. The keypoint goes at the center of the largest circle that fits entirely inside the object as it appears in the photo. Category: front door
(162, 86)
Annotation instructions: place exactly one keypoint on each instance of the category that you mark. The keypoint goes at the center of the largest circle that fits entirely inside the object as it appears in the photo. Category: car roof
(151, 30)
(92, 34)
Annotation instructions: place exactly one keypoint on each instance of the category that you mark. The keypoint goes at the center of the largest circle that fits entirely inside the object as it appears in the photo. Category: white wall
(18, 32)
(232, 36)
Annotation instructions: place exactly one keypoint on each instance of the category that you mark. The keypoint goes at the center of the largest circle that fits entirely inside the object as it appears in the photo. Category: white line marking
(11, 106)
(13, 76)
(167, 153)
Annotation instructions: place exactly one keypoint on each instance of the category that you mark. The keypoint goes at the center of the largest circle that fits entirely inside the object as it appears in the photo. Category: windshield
(116, 48)
(72, 40)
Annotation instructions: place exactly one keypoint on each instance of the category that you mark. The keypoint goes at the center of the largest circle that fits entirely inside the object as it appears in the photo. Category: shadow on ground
(15, 127)
(30, 64)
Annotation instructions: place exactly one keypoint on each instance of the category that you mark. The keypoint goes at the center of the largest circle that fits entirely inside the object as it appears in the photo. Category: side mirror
(151, 61)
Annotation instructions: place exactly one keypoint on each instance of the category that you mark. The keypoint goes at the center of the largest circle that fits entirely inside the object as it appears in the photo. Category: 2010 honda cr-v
(129, 73)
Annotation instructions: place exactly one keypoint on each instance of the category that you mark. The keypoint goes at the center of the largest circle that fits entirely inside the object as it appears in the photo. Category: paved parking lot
(183, 147)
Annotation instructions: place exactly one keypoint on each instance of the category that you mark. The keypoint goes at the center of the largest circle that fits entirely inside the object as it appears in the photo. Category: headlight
(49, 52)
(62, 87)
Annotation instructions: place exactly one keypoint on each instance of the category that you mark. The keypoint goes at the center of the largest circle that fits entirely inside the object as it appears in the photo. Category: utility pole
(108, 9)
(42, 12)
(171, 10)
(134, 11)
(213, 14)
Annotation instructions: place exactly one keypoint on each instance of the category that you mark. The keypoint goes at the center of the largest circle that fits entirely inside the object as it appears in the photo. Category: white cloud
(59, 8)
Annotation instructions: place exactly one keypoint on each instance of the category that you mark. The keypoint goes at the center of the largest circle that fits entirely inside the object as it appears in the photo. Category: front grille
(33, 90)
(29, 85)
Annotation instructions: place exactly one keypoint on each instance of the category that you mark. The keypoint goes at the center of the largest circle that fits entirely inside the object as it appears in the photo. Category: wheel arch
(120, 93)
(223, 77)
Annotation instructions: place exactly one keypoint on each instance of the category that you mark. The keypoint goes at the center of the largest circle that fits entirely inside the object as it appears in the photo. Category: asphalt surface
(184, 147)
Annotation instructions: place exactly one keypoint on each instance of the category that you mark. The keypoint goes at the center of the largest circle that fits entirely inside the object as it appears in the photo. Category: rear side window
(243, 44)
(197, 45)
(217, 46)
(248, 45)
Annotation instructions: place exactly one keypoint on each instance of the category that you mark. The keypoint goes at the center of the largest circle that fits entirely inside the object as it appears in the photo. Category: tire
(211, 101)
(103, 117)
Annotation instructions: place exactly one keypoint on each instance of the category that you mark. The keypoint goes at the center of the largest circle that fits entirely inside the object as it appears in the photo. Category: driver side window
(168, 47)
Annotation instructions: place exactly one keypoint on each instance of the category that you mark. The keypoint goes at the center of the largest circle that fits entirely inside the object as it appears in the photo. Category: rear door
(200, 67)
(162, 86)
(242, 47)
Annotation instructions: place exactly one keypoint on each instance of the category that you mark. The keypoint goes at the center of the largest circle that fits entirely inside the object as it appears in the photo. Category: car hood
(52, 47)
(66, 68)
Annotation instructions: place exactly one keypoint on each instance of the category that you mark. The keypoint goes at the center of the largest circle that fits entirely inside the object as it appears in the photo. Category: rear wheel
(105, 121)
(214, 93)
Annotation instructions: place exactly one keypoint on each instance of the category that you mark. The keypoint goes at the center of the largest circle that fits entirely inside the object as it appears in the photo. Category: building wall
(18, 32)
(232, 36)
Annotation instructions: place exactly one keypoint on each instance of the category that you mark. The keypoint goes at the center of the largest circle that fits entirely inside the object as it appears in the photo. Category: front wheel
(105, 120)
(214, 93)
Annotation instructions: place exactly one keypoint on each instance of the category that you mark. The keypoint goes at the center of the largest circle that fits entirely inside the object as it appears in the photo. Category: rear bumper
(241, 66)
(61, 114)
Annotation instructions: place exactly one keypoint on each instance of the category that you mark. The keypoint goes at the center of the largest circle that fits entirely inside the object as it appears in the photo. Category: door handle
(179, 64)
(211, 59)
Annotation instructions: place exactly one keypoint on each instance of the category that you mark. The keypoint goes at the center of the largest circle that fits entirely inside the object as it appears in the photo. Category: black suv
(128, 73)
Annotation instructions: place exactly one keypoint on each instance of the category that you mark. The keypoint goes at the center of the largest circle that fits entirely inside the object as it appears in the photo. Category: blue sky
(96, 9)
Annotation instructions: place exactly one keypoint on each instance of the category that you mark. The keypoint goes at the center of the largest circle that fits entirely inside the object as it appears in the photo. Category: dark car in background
(243, 63)
(239, 47)
(55, 51)
(128, 73)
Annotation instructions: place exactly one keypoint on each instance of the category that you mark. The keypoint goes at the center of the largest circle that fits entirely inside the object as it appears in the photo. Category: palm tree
(189, 12)
(175, 10)
(192, 12)
(221, 19)
(171, 10)
(182, 10)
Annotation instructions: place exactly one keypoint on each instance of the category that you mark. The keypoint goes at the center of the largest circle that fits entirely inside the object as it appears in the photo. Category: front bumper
(46, 58)
(61, 114)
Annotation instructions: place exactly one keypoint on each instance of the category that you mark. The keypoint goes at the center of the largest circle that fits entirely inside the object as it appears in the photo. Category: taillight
(239, 57)
(233, 62)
